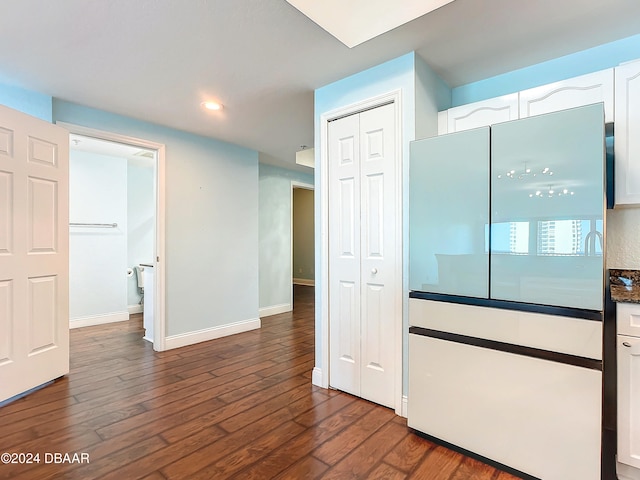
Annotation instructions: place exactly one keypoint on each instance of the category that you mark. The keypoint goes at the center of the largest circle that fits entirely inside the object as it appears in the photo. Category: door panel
(362, 261)
(378, 265)
(42, 218)
(344, 251)
(347, 218)
(346, 326)
(374, 198)
(372, 346)
(34, 260)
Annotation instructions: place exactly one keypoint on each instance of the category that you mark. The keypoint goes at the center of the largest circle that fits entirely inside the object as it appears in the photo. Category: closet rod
(101, 225)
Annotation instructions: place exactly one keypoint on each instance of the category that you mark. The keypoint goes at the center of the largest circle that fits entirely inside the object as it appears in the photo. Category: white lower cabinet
(540, 417)
(628, 349)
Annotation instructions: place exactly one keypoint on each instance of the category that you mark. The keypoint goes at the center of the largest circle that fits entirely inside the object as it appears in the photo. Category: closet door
(344, 254)
(363, 235)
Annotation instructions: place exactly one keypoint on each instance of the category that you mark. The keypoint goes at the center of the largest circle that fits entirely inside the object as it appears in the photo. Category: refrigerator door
(547, 209)
(449, 214)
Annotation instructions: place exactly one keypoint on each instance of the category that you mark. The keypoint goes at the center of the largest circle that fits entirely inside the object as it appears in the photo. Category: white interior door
(34, 252)
(363, 232)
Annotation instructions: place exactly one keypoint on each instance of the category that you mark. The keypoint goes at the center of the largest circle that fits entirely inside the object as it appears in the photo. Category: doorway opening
(116, 231)
(302, 243)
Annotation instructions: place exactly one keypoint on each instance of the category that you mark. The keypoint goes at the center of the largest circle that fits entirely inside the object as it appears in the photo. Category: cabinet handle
(374, 271)
(626, 344)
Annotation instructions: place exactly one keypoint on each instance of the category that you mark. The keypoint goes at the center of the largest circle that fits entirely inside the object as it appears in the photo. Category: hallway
(238, 407)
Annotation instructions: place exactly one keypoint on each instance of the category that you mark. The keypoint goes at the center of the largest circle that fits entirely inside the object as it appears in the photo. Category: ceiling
(157, 60)
(140, 157)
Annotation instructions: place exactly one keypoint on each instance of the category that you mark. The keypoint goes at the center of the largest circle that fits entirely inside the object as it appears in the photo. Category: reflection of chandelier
(550, 193)
(526, 172)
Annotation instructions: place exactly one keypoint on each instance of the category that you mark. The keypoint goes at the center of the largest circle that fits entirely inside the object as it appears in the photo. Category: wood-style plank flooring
(237, 407)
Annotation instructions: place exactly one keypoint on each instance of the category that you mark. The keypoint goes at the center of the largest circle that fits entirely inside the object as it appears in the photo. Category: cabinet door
(575, 92)
(627, 134)
(629, 400)
(484, 113)
(628, 319)
(449, 214)
(547, 209)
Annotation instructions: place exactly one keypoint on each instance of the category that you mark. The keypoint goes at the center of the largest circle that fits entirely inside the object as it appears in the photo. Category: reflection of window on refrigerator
(569, 237)
(508, 237)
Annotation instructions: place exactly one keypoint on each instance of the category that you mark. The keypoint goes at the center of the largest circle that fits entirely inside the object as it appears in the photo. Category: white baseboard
(190, 338)
(98, 319)
(304, 281)
(316, 377)
(404, 407)
(134, 309)
(275, 309)
(626, 472)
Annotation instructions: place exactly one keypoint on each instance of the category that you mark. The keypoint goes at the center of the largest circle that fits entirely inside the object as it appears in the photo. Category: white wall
(141, 220)
(97, 256)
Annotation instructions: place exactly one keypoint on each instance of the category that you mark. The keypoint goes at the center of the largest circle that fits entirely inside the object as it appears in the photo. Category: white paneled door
(34, 252)
(363, 236)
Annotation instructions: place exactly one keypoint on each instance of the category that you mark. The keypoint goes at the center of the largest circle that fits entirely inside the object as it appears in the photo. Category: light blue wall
(587, 61)
(275, 233)
(32, 103)
(211, 221)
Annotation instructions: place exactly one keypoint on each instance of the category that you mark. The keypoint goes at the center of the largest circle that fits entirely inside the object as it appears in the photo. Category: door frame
(159, 325)
(305, 186)
(322, 374)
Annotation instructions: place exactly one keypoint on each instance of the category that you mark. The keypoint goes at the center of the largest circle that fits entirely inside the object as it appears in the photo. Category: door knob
(374, 271)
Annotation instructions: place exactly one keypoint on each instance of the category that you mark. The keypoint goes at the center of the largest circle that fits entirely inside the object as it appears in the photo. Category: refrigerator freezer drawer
(536, 416)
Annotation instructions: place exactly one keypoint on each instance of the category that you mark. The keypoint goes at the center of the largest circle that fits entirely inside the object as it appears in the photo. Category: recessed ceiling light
(212, 105)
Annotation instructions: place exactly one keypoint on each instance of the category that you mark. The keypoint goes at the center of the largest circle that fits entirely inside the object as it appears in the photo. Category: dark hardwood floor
(237, 407)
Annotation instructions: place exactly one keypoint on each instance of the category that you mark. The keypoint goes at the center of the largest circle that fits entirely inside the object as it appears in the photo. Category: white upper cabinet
(482, 114)
(574, 92)
(627, 134)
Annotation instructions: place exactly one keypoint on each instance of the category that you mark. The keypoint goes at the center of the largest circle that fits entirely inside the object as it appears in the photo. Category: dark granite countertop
(625, 285)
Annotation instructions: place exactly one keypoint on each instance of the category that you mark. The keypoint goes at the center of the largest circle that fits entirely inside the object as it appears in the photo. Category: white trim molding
(92, 320)
(316, 377)
(304, 281)
(275, 309)
(322, 305)
(133, 309)
(405, 406)
(190, 338)
(626, 472)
